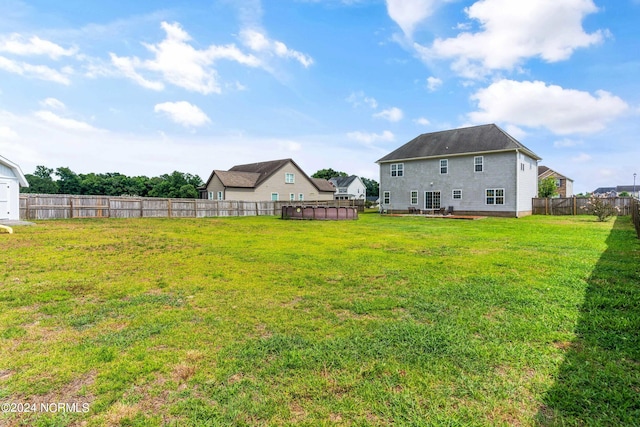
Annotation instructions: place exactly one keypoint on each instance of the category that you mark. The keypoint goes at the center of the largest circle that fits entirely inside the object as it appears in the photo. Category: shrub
(601, 208)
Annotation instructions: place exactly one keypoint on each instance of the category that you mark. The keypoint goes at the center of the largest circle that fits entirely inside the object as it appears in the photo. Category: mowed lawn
(381, 321)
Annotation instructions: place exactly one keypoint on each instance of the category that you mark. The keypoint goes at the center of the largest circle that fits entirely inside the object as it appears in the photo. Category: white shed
(11, 179)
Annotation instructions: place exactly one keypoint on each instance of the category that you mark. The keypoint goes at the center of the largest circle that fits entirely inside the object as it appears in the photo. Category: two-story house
(479, 170)
(349, 188)
(564, 184)
(272, 180)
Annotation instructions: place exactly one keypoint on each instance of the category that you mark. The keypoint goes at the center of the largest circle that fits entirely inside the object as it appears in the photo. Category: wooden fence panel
(575, 205)
(635, 215)
(62, 206)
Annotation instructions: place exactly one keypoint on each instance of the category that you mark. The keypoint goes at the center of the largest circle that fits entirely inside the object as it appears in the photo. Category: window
(220, 197)
(432, 200)
(495, 196)
(292, 197)
(457, 194)
(210, 195)
(386, 197)
(289, 178)
(444, 166)
(522, 167)
(414, 197)
(342, 190)
(478, 163)
(300, 196)
(274, 197)
(558, 183)
(397, 169)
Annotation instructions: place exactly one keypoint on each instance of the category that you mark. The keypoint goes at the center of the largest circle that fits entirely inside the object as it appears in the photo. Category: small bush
(601, 208)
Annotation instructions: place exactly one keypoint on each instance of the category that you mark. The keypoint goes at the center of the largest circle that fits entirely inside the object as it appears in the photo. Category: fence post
(575, 206)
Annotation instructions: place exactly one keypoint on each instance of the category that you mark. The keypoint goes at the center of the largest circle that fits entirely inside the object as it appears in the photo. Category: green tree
(328, 173)
(176, 185)
(371, 185)
(547, 187)
(40, 182)
(69, 182)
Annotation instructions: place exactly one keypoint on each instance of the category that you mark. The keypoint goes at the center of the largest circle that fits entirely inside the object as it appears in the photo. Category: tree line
(174, 185)
(63, 180)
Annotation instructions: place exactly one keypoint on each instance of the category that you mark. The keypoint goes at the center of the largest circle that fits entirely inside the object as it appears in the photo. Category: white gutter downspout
(517, 182)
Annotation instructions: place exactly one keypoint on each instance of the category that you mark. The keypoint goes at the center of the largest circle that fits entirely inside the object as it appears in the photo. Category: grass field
(381, 321)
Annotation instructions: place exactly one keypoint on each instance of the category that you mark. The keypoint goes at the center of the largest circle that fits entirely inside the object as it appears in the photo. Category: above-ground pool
(319, 212)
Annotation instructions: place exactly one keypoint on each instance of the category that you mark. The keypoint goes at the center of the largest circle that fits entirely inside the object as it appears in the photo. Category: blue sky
(149, 87)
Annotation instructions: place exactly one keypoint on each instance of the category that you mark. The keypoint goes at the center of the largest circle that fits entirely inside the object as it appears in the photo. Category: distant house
(564, 184)
(11, 179)
(349, 188)
(475, 170)
(272, 180)
(615, 191)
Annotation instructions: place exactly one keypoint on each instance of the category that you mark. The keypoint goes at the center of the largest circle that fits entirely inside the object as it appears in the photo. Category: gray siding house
(479, 170)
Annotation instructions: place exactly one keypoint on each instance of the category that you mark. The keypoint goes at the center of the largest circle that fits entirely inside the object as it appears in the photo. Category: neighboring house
(564, 184)
(615, 191)
(272, 180)
(479, 170)
(11, 179)
(349, 188)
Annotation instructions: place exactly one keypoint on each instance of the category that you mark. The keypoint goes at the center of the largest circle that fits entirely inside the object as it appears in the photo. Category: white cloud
(180, 64)
(52, 103)
(40, 72)
(566, 143)
(17, 45)
(535, 104)
(7, 133)
(64, 123)
(513, 31)
(258, 42)
(370, 138)
(393, 114)
(356, 99)
(433, 83)
(183, 113)
(581, 158)
(409, 13)
(422, 121)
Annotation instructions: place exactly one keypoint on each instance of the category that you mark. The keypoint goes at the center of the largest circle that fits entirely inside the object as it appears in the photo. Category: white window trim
(292, 197)
(210, 195)
(398, 167)
(277, 197)
(411, 198)
(386, 197)
(446, 166)
(220, 195)
(481, 164)
(300, 196)
(288, 175)
(495, 197)
(453, 194)
(432, 198)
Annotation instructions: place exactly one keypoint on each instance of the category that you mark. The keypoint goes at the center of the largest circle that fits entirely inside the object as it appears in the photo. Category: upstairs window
(478, 163)
(444, 166)
(289, 178)
(397, 169)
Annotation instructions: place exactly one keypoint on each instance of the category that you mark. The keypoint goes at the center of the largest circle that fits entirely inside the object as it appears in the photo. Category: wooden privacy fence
(576, 205)
(61, 206)
(635, 215)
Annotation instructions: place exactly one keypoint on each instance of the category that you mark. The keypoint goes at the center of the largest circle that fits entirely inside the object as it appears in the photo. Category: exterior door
(432, 200)
(4, 200)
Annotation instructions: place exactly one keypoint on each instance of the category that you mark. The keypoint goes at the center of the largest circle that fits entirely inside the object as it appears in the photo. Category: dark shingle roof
(475, 139)
(237, 179)
(544, 171)
(323, 184)
(342, 181)
(263, 169)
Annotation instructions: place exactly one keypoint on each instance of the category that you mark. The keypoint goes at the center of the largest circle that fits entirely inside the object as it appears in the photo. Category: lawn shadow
(599, 380)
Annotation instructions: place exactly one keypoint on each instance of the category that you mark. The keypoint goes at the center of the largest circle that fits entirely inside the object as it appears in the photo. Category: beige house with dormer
(275, 180)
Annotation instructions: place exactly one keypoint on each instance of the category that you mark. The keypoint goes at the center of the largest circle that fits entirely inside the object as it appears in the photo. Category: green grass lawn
(381, 321)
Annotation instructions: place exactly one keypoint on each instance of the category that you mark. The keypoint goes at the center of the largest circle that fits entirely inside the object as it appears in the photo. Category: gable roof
(544, 172)
(251, 175)
(342, 181)
(22, 181)
(475, 139)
